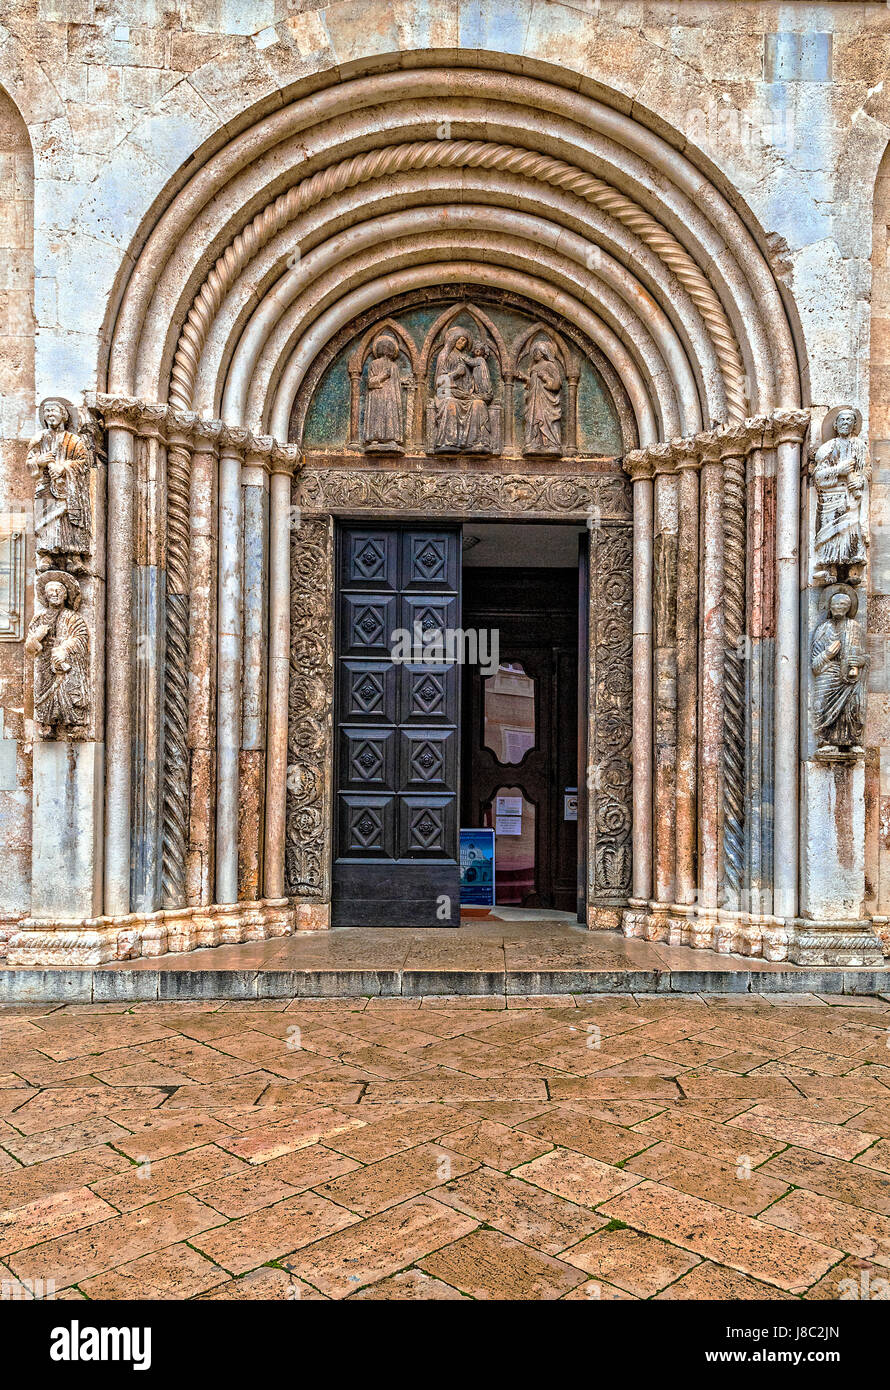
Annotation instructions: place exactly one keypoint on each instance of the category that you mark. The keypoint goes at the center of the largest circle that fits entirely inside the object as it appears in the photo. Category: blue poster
(477, 868)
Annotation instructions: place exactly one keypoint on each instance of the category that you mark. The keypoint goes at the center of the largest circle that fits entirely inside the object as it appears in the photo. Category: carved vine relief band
(602, 499)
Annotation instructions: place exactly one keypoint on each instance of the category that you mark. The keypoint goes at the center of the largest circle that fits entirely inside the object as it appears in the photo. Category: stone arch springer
(317, 212)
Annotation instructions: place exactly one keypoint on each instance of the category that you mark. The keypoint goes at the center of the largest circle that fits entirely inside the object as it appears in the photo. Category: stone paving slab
(447, 1148)
(516, 959)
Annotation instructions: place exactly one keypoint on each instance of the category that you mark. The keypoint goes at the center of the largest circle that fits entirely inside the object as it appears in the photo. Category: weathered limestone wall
(787, 106)
(877, 733)
(16, 536)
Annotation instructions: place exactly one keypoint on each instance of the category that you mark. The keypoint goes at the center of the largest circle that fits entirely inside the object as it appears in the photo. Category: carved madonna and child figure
(463, 420)
(840, 472)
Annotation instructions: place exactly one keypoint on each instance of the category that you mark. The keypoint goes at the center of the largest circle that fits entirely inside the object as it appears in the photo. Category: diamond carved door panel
(396, 850)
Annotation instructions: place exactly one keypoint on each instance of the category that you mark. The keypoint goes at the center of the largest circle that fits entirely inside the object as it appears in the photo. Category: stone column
(787, 673)
(755, 888)
(203, 538)
(176, 671)
(119, 659)
(150, 527)
(687, 681)
(255, 490)
(735, 642)
(710, 799)
(665, 697)
(229, 663)
(282, 518)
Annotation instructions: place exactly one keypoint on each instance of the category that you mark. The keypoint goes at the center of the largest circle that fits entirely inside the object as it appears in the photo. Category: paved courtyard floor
(628, 1147)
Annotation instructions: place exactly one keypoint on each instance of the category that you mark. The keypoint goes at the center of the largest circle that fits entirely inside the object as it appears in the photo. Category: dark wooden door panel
(368, 624)
(428, 694)
(430, 562)
(397, 771)
(368, 692)
(369, 560)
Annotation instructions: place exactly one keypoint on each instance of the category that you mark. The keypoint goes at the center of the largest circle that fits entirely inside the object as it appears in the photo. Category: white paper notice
(508, 825)
(508, 806)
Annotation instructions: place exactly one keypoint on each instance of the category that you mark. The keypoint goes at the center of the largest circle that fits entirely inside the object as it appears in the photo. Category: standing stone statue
(543, 401)
(840, 664)
(59, 642)
(840, 471)
(383, 427)
(60, 462)
(463, 395)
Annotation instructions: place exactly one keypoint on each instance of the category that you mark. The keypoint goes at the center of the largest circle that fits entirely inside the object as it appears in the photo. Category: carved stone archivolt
(387, 162)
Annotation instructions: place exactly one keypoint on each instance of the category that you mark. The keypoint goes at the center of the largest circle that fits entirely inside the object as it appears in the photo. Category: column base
(604, 918)
(835, 943)
(99, 940)
(712, 929)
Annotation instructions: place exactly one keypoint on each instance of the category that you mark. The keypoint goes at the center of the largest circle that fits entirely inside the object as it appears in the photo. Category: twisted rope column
(439, 154)
(176, 676)
(734, 677)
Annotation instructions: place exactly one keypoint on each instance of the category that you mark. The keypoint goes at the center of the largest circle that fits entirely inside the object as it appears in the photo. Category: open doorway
(520, 713)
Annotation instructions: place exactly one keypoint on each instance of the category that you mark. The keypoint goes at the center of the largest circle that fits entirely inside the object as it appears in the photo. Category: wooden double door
(426, 742)
(397, 754)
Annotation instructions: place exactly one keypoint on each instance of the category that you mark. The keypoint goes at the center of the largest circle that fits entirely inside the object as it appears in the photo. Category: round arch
(313, 210)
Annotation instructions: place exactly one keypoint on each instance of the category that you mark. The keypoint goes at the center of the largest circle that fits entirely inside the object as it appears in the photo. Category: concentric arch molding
(439, 154)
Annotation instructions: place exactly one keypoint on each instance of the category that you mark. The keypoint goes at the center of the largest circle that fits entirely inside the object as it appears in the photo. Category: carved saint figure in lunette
(840, 472)
(463, 394)
(543, 401)
(59, 460)
(383, 427)
(840, 663)
(59, 642)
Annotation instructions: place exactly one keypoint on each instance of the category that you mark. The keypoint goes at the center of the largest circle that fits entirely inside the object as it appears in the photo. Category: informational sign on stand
(477, 868)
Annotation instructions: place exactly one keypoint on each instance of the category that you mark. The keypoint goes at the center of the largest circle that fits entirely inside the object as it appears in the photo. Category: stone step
(146, 983)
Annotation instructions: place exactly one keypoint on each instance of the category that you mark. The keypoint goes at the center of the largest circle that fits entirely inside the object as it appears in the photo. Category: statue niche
(463, 415)
(840, 664)
(383, 422)
(840, 471)
(59, 461)
(542, 410)
(58, 639)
